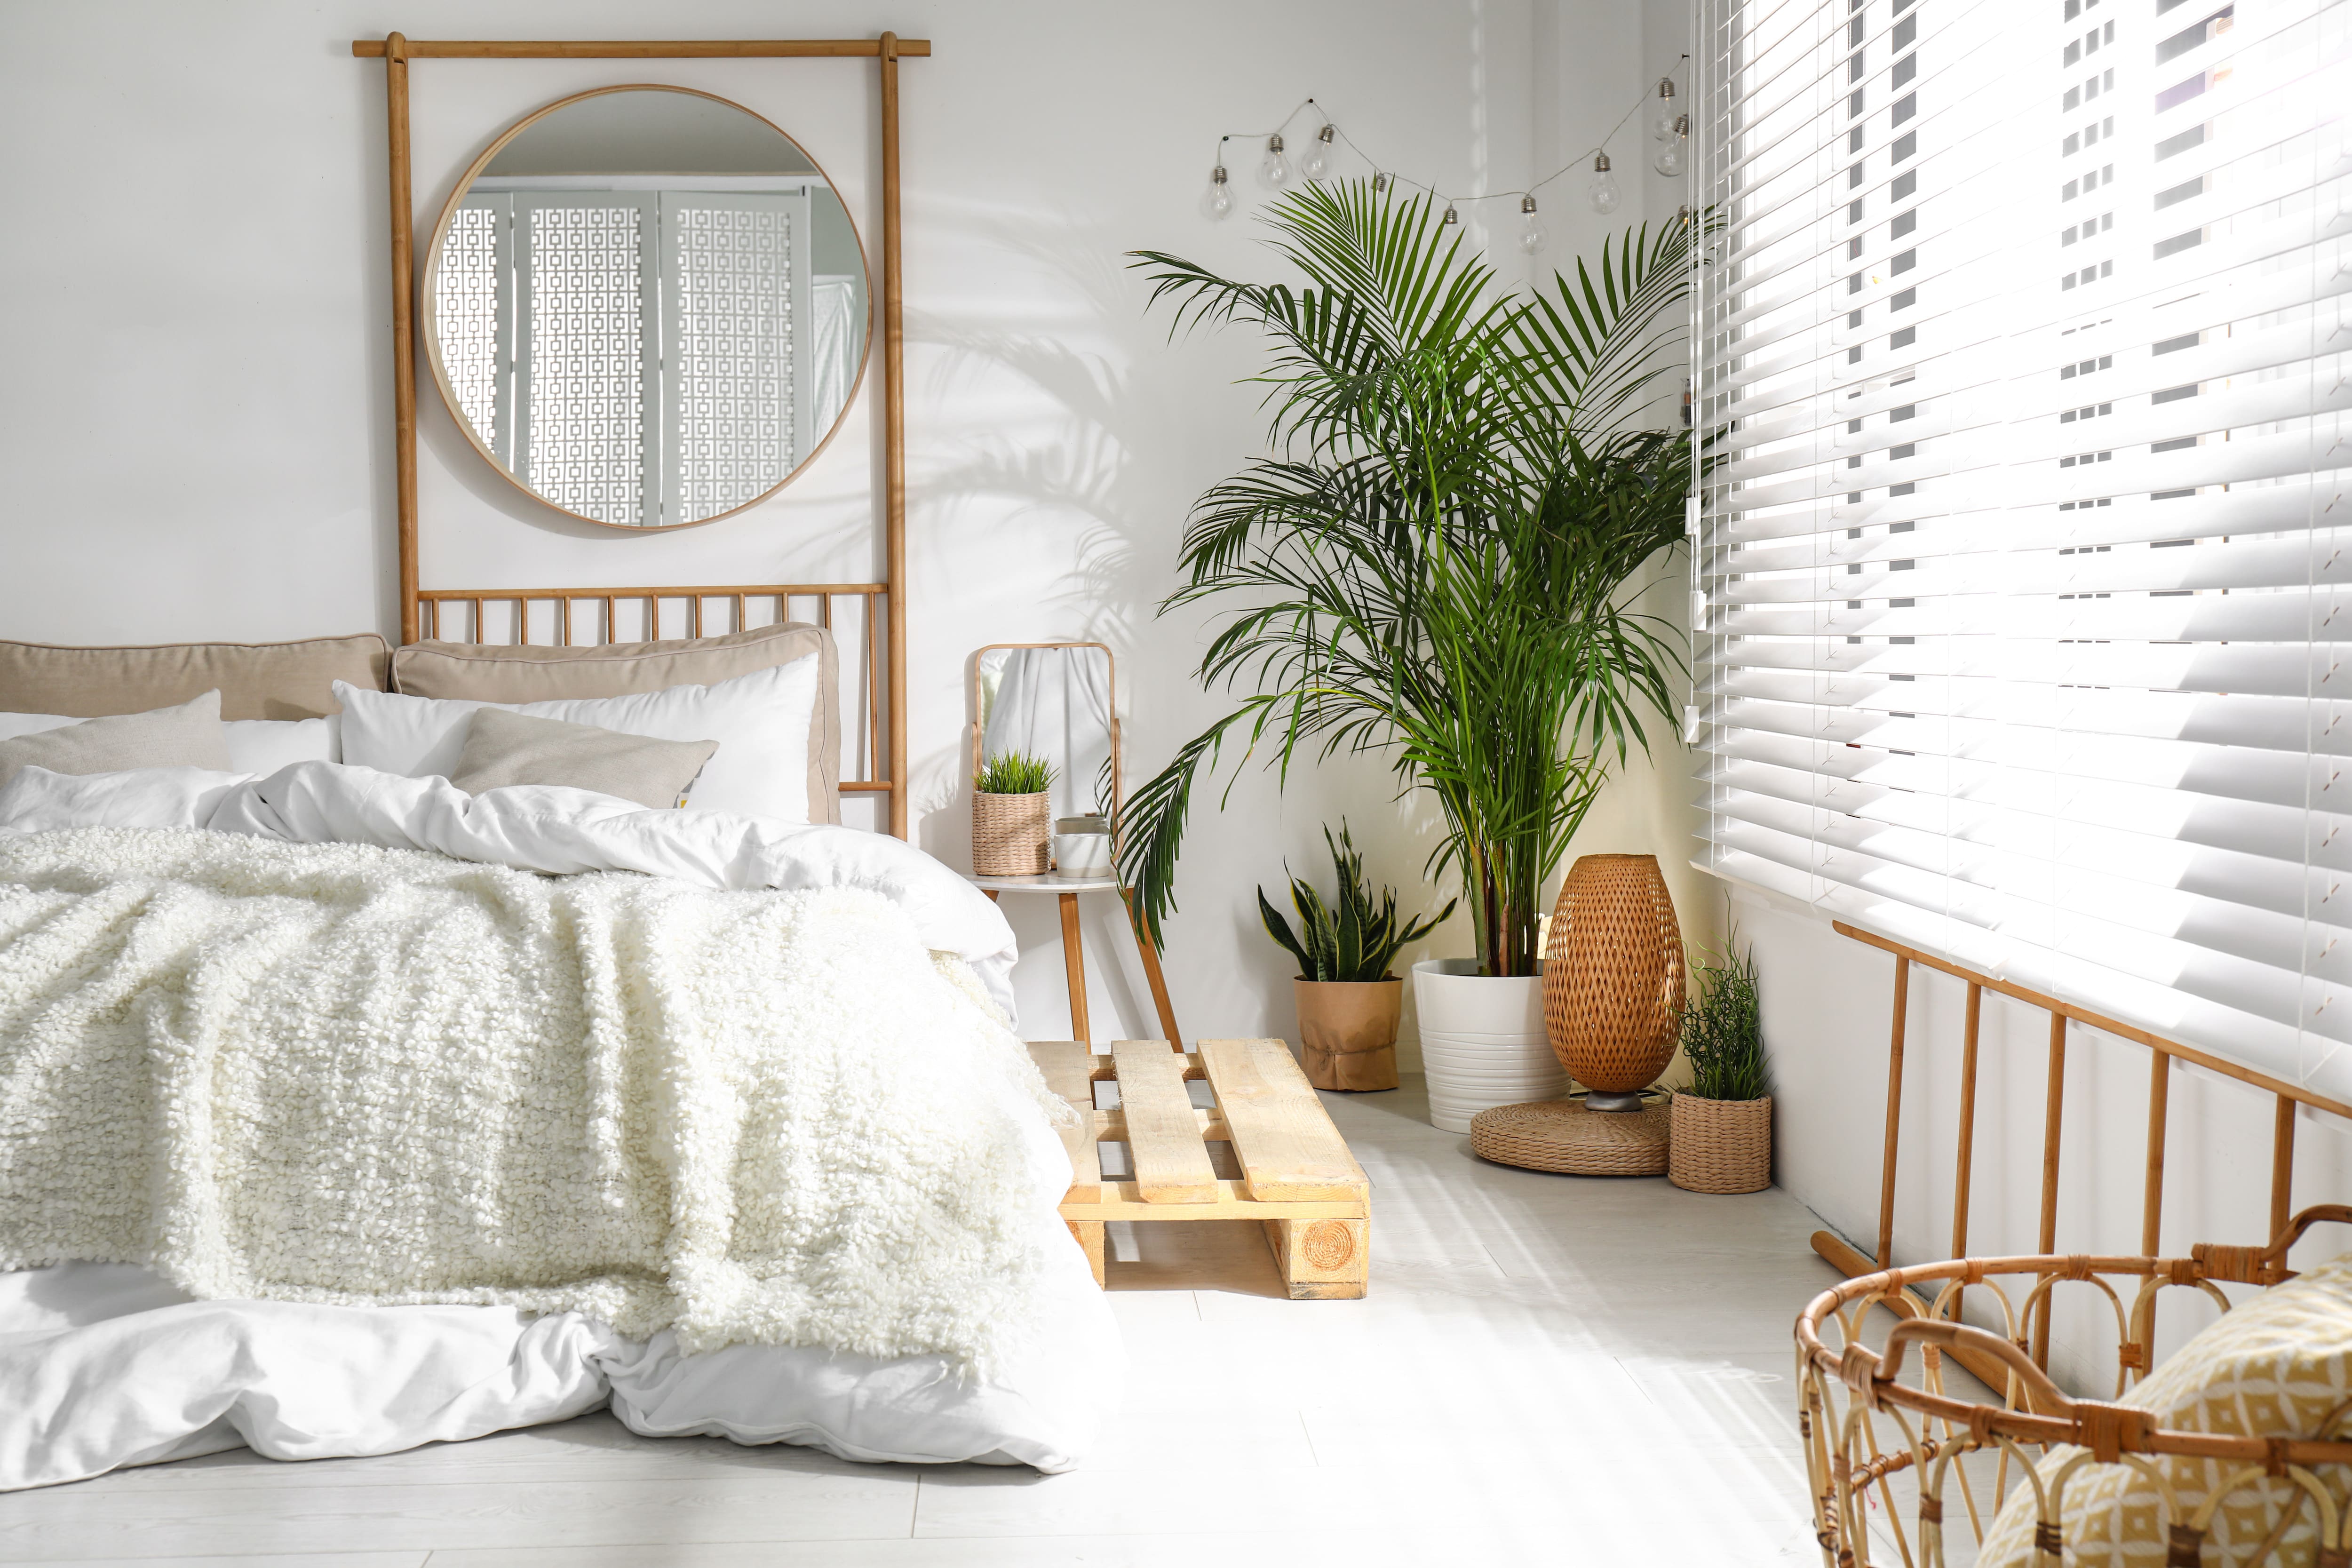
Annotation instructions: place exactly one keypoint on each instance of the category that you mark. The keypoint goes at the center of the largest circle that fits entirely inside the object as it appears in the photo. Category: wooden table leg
(1150, 951)
(1074, 962)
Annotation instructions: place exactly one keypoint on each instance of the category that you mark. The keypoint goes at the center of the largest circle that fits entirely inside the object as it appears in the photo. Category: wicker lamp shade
(1614, 979)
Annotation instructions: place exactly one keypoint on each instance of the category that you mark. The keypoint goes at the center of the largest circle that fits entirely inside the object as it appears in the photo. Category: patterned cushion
(2279, 1366)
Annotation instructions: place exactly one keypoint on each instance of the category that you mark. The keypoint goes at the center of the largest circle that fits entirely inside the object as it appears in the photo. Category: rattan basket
(1889, 1448)
(1010, 832)
(1721, 1146)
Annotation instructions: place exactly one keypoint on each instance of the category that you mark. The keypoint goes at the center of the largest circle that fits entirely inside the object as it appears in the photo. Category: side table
(1074, 962)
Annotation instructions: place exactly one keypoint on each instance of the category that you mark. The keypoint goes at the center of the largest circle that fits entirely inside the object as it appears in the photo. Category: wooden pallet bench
(1298, 1178)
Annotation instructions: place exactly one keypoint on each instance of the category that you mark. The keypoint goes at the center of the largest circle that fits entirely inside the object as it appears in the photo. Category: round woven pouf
(1561, 1135)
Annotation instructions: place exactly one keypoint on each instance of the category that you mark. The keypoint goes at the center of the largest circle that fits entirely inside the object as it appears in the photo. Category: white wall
(194, 436)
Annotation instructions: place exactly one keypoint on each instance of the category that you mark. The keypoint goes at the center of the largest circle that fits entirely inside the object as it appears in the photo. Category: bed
(345, 1109)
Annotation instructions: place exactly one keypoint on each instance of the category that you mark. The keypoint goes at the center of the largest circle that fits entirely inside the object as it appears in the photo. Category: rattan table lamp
(1613, 987)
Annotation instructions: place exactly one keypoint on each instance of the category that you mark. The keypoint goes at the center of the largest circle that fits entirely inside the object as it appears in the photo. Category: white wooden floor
(1548, 1371)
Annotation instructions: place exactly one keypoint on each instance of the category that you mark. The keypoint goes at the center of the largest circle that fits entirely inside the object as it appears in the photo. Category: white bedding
(102, 1366)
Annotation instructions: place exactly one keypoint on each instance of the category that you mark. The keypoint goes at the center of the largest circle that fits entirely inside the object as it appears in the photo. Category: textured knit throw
(333, 1073)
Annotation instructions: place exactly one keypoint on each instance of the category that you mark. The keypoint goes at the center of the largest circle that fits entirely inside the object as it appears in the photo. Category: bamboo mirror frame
(431, 308)
(396, 50)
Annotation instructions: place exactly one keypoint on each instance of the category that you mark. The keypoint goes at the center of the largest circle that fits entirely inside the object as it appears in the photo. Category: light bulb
(1315, 162)
(1451, 216)
(1531, 231)
(1379, 184)
(1276, 169)
(1661, 125)
(1602, 192)
(1671, 160)
(1218, 199)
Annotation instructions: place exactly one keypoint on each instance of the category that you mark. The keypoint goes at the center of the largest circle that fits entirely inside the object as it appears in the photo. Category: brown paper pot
(1349, 1030)
(1009, 832)
(1720, 1145)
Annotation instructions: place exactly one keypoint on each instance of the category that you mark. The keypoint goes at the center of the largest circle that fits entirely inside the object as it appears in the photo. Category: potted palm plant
(1720, 1138)
(1434, 566)
(1012, 815)
(1349, 1002)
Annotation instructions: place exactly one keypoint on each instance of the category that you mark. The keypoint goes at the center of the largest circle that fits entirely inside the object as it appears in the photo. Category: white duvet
(102, 1366)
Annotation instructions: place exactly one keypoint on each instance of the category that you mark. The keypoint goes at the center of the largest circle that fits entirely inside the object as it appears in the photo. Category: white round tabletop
(1051, 882)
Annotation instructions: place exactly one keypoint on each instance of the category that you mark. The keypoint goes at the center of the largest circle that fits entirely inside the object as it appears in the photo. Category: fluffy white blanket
(343, 1073)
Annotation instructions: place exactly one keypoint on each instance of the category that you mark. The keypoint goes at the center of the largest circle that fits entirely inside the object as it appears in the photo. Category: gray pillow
(187, 736)
(503, 748)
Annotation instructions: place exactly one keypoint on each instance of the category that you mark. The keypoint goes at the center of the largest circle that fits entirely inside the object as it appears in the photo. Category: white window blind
(2023, 575)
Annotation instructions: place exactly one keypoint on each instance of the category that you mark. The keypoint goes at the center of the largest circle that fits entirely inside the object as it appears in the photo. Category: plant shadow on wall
(1434, 566)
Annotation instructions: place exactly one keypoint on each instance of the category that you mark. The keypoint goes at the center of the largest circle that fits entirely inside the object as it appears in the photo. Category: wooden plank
(894, 441)
(1110, 1127)
(395, 50)
(1228, 1199)
(1172, 1164)
(1068, 1068)
(1089, 1234)
(1322, 1260)
(629, 49)
(1289, 1150)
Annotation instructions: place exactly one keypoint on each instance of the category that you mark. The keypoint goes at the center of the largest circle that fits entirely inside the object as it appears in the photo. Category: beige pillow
(503, 748)
(483, 672)
(187, 736)
(255, 681)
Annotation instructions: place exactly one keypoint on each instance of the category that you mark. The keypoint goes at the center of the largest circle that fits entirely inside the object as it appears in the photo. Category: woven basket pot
(1010, 832)
(1613, 974)
(1720, 1145)
(1348, 1028)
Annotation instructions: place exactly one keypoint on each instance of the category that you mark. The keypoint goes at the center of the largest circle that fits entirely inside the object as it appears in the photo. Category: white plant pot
(1482, 1040)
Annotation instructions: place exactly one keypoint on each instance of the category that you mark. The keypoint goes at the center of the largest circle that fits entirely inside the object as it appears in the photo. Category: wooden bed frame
(885, 664)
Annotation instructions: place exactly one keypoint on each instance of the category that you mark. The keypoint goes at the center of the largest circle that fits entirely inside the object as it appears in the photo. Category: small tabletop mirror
(1057, 701)
(647, 306)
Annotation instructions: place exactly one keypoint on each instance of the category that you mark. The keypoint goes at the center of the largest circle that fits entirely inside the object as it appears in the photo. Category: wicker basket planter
(1010, 833)
(1348, 1028)
(1720, 1145)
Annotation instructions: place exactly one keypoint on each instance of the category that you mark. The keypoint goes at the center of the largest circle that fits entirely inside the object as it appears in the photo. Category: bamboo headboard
(857, 614)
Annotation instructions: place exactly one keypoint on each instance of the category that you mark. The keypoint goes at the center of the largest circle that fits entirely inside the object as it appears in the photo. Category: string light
(1672, 157)
(1602, 192)
(1531, 232)
(1663, 127)
(1275, 169)
(1218, 199)
(1669, 125)
(1317, 160)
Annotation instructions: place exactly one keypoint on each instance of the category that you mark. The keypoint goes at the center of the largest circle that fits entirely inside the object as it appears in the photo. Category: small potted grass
(1349, 1002)
(1012, 815)
(1721, 1133)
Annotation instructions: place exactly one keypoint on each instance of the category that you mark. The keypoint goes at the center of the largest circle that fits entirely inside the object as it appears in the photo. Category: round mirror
(647, 306)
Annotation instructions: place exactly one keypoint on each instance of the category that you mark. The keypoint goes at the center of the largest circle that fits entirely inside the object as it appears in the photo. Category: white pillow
(255, 745)
(266, 745)
(761, 720)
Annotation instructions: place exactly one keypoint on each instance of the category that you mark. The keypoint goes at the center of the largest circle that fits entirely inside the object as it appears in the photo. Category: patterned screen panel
(586, 427)
(466, 315)
(731, 351)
